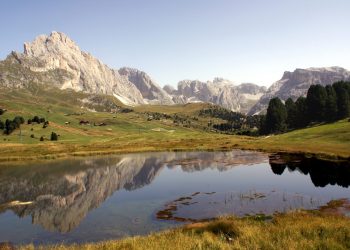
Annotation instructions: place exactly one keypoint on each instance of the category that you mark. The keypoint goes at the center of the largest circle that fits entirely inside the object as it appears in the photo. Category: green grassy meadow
(135, 132)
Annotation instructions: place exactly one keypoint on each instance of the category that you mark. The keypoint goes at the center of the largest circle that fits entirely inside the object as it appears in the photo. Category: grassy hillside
(299, 230)
(327, 139)
(147, 128)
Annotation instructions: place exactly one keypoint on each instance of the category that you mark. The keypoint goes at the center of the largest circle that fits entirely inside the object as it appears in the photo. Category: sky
(244, 41)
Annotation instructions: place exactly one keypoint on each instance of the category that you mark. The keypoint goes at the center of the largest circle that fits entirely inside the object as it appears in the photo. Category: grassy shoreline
(297, 230)
(330, 141)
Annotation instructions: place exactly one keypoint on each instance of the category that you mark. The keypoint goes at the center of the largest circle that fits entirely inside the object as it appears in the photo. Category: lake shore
(330, 141)
(297, 230)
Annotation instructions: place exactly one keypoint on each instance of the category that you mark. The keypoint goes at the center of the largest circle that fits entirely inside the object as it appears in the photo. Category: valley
(145, 128)
(96, 157)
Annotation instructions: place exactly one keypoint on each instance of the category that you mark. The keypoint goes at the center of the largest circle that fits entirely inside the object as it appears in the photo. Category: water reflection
(111, 197)
(59, 195)
(322, 173)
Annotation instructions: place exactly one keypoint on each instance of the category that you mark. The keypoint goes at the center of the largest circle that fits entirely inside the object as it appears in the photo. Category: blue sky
(245, 41)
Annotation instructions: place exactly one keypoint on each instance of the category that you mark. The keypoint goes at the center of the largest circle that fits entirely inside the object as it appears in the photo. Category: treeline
(10, 125)
(236, 123)
(322, 104)
(36, 119)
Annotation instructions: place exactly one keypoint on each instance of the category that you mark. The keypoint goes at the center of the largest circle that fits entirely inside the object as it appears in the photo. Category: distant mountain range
(296, 83)
(56, 60)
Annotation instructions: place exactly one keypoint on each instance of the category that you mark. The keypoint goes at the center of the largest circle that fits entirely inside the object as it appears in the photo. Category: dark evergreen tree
(276, 116)
(36, 119)
(342, 90)
(54, 136)
(2, 125)
(301, 118)
(343, 103)
(292, 113)
(10, 126)
(262, 125)
(331, 110)
(18, 121)
(316, 102)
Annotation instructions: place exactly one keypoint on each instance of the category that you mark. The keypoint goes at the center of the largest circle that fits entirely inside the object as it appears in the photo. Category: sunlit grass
(298, 230)
(132, 132)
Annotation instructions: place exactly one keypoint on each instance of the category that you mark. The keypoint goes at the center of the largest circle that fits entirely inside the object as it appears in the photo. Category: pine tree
(331, 109)
(276, 116)
(342, 90)
(291, 108)
(316, 102)
(54, 136)
(301, 119)
(343, 104)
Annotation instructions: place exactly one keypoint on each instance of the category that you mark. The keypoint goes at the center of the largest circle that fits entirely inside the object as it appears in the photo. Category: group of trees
(36, 119)
(10, 125)
(322, 104)
(236, 122)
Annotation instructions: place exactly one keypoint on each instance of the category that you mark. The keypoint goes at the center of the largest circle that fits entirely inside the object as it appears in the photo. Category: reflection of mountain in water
(321, 172)
(220, 160)
(62, 193)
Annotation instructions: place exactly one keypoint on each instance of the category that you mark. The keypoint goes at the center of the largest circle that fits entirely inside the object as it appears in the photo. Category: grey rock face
(222, 92)
(296, 83)
(82, 71)
(169, 89)
(150, 90)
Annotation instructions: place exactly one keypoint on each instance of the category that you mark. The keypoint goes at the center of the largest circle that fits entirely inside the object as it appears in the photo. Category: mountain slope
(239, 98)
(296, 83)
(150, 90)
(79, 70)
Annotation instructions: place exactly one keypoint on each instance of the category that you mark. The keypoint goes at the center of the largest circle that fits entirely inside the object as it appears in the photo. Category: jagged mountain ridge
(85, 73)
(150, 90)
(57, 60)
(295, 84)
(222, 92)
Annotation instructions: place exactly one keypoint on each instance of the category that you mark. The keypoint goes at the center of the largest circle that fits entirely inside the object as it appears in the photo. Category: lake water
(98, 198)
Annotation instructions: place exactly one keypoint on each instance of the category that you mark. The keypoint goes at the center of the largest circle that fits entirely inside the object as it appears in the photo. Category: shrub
(10, 126)
(18, 121)
(54, 136)
(46, 124)
(2, 125)
(36, 119)
(42, 138)
(32, 136)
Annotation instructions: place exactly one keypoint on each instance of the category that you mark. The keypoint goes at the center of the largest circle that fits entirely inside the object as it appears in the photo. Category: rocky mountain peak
(150, 90)
(55, 42)
(296, 83)
(63, 63)
(223, 81)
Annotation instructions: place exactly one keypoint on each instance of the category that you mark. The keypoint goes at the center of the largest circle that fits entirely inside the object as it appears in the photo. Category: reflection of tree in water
(321, 172)
(278, 168)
